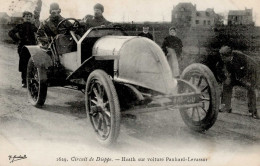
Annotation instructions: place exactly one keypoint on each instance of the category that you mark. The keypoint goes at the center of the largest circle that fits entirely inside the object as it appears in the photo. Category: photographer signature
(16, 158)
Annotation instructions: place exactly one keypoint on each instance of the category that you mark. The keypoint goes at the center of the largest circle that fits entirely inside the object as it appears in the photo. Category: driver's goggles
(55, 11)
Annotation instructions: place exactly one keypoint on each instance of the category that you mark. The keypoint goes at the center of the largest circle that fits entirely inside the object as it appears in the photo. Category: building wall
(186, 14)
(240, 17)
(183, 14)
(204, 21)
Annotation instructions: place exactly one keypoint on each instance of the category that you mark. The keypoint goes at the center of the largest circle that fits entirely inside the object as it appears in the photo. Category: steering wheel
(64, 26)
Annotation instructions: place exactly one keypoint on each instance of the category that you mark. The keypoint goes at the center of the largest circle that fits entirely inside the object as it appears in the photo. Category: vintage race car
(120, 74)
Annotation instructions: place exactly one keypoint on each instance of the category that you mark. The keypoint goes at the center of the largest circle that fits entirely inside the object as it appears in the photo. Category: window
(204, 22)
(188, 18)
(197, 21)
(208, 22)
(198, 14)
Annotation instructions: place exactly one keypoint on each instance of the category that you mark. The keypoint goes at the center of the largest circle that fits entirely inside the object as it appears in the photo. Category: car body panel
(143, 63)
(108, 47)
(68, 60)
(138, 61)
(85, 67)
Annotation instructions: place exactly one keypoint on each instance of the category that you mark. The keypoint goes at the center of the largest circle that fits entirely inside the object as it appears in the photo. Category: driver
(48, 28)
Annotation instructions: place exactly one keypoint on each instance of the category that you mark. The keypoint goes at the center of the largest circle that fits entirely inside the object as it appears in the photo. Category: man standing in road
(172, 47)
(98, 19)
(172, 41)
(239, 70)
(24, 34)
(146, 33)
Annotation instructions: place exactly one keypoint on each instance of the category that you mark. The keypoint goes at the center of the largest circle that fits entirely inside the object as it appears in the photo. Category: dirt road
(59, 133)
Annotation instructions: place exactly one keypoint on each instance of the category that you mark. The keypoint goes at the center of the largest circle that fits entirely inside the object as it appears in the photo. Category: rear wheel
(36, 84)
(102, 107)
(203, 117)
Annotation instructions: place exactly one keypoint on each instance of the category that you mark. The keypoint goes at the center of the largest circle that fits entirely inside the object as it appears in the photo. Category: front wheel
(201, 118)
(36, 84)
(102, 107)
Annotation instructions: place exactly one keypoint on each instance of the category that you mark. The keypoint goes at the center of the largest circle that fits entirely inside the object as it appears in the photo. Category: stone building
(183, 13)
(240, 17)
(205, 18)
(186, 14)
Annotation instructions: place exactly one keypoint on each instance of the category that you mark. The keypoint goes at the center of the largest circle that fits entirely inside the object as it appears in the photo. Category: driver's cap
(99, 6)
(54, 6)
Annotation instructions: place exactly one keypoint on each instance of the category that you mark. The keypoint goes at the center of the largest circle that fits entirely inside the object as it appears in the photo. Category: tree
(219, 20)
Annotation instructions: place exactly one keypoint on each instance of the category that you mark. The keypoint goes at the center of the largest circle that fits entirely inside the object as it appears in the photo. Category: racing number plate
(185, 99)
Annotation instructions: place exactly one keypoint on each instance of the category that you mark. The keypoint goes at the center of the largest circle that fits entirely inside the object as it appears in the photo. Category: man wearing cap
(146, 33)
(48, 28)
(239, 70)
(24, 34)
(98, 19)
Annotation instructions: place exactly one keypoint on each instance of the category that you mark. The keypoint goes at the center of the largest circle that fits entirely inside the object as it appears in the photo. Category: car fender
(40, 58)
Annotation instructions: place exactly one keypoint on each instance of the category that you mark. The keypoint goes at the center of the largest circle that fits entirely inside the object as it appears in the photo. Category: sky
(132, 10)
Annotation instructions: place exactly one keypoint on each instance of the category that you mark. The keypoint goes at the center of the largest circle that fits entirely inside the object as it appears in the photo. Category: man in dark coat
(239, 70)
(48, 28)
(24, 34)
(172, 47)
(146, 33)
(98, 19)
(172, 41)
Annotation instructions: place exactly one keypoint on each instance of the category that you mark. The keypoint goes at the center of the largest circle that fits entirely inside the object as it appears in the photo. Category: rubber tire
(113, 103)
(212, 112)
(43, 86)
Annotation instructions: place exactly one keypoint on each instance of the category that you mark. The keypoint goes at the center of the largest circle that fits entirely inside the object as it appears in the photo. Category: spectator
(172, 41)
(172, 47)
(146, 33)
(24, 34)
(239, 70)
